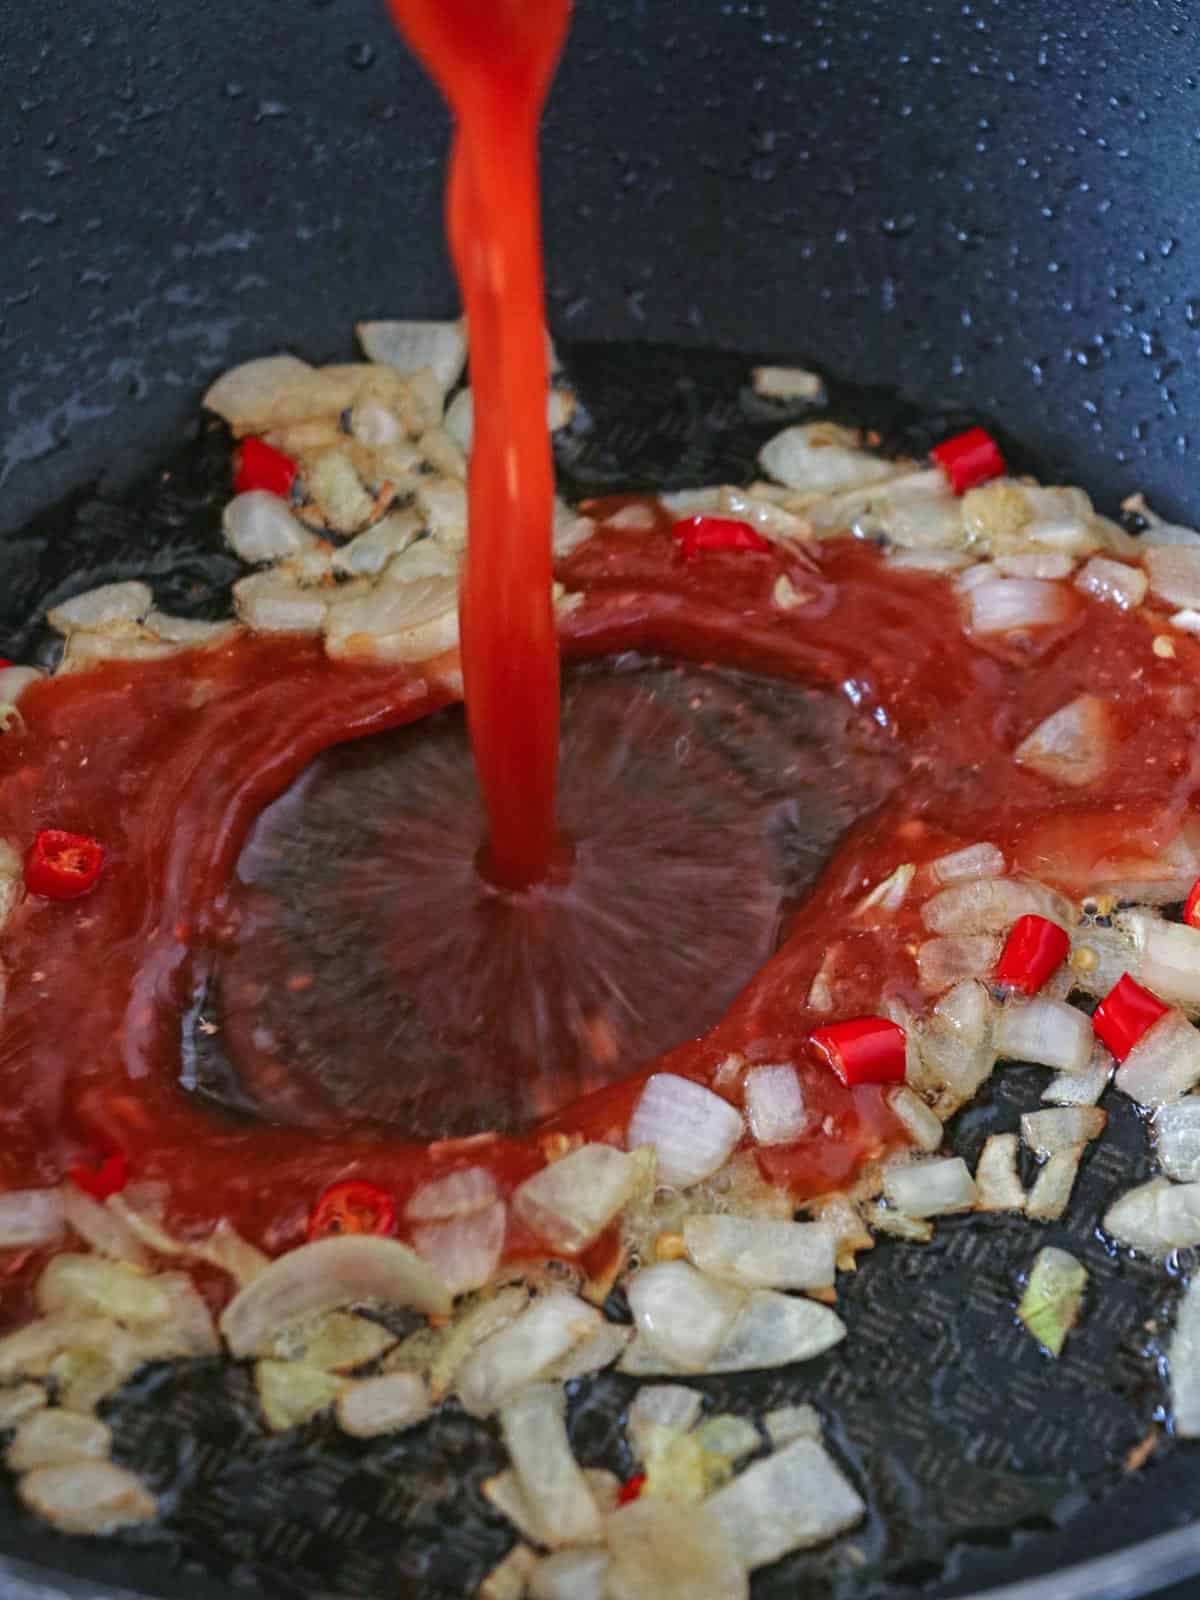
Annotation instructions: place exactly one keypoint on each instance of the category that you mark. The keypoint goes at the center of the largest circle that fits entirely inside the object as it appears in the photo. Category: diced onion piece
(509, 1579)
(571, 1202)
(1174, 573)
(884, 1220)
(1177, 1139)
(517, 1354)
(794, 1499)
(996, 1179)
(661, 1408)
(225, 1248)
(762, 1254)
(269, 602)
(927, 560)
(659, 1548)
(535, 1433)
(786, 1423)
(1164, 1064)
(967, 1009)
(52, 1436)
(291, 1393)
(102, 1228)
(1074, 746)
(87, 1497)
(256, 394)
(338, 492)
(1157, 1217)
(325, 1275)
(788, 383)
(1036, 564)
(464, 1251)
(1115, 581)
(183, 631)
(336, 1341)
(1051, 1191)
(91, 1285)
(411, 621)
(385, 1404)
(974, 861)
(366, 555)
(1081, 1088)
(1183, 1359)
(692, 1131)
(21, 1402)
(571, 1575)
(1050, 1304)
(771, 1330)
(1168, 956)
(774, 1103)
(443, 504)
(1004, 605)
(409, 346)
(890, 893)
(819, 457)
(458, 1194)
(944, 962)
(29, 1218)
(13, 683)
(260, 528)
(1049, 1033)
(930, 1188)
(116, 641)
(30, 1351)
(1061, 1128)
(992, 905)
(923, 1126)
(599, 1350)
(111, 602)
(683, 1314)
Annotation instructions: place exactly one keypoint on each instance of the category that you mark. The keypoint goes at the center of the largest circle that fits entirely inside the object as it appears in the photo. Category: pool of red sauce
(168, 763)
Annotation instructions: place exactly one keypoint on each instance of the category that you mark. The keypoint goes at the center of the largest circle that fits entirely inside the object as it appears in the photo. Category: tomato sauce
(168, 763)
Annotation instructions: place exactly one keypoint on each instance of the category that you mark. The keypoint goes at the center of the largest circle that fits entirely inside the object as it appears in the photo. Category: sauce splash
(494, 64)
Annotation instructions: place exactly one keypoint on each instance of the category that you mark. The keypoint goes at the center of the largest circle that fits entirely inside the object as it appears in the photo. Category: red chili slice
(865, 1050)
(62, 866)
(352, 1207)
(1033, 952)
(1126, 1013)
(1191, 910)
(110, 1177)
(631, 1488)
(969, 458)
(258, 465)
(698, 535)
(4, 662)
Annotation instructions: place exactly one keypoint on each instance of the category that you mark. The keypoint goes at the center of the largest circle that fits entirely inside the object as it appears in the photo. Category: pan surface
(976, 206)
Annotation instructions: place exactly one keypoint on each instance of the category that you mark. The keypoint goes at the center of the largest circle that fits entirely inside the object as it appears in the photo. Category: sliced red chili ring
(631, 1488)
(1125, 1014)
(258, 465)
(354, 1206)
(109, 1178)
(864, 1050)
(969, 458)
(1033, 952)
(1191, 909)
(61, 865)
(699, 535)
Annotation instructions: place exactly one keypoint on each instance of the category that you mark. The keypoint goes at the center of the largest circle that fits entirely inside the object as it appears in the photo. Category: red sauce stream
(494, 64)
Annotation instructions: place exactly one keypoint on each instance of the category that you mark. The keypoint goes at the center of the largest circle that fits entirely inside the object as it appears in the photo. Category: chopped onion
(571, 1575)
(974, 861)
(786, 1423)
(260, 528)
(657, 1408)
(325, 1275)
(338, 491)
(93, 1286)
(19, 1403)
(443, 504)
(772, 1330)
(1115, 581)
(367, 554)
(968, 1010)
(291, 1393)
(409, 346)
(658, 1548)
(1168, 875)
(955, 1053)
(927, 560)
(111, 602)
(87, 1497)
(891, 893)
(884, 1220)
(184, 630)
(335, 1341)
(1049, 1033)
(30, 1351)
(992, 905)
(1061, 1128)
(386, 1404)
(1003, 605)
(1177, 1139)
(930, 1188)
(943, 962)
(924, 1127)
(535, 1432)
(225, 1248)
(788, 383)
(762, 1255)
(840, 1213)
(1050, 564)
(599, 1350)
(1164, 1064)
(458, 1194)
(820, 457)
(1174, 573)
(520, 1352)
(794, 1499)
(1051, 1191)
(1080, 1088)
(1183, 1359)
(1157, 1217)
(257, 393)
(571, 1202)
(1050, 1304)
(29, 1218)
(681, 1313)
(774, 1103)
(400, 621)
(52, 1436)
(269, 602)
(101, 1228)
(1072, 747)
(14, 681)
(692, 1131)
(464, 1251)
(1168, 956)
(509, 1579)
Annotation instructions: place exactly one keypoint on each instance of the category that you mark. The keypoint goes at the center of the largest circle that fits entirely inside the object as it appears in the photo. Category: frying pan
(973, 210)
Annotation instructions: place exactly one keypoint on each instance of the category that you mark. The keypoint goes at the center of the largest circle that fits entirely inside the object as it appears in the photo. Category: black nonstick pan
(959, 211)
